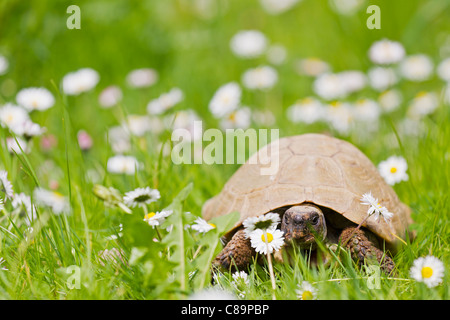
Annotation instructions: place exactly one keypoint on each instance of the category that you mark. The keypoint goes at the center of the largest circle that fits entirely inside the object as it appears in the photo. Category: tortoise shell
(314, 168)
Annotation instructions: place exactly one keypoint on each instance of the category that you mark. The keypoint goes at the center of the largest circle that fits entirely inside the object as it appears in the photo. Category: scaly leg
(362, 249)
(237, 254)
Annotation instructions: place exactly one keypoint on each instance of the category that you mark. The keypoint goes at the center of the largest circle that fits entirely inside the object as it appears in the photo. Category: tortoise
(317, 192)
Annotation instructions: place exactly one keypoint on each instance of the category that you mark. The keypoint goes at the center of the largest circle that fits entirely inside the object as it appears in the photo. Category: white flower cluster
(264, 236)
(375, 208)
(53, 200)
(333, 91)
(17, 118)
(226, 106)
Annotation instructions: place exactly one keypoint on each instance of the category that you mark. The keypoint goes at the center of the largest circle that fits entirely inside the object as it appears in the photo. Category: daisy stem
(157, 232)
(269, 260)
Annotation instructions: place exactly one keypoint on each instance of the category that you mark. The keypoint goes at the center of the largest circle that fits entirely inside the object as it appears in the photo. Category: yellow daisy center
(393, 170)
(269, 238)
(307, 295)
(306, 100)
(421, 94)
(212, 225)
(149, 215)
(427, 272)
(58, 195)
(335, 104)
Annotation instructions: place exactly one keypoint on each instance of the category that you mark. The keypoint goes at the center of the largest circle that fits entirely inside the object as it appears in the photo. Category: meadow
(112, 92)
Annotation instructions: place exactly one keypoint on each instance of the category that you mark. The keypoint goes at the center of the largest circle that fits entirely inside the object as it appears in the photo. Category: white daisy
(277, 6)
(35, 99)
(142, 78)
(240, 282)
(386, 52)
(51, 199)
(390, 100)
(262, 78)
(443, 70)
(346, 7)
(418, 67)
(375, 208)
(122, 164)
(186, 120)
(276, 54)
(137, 125)
(393, 170)
(80, 81)
(412, 127)
(248, 44)
(165, 101)
(264, 118)
(28, 129)
(429, 270)
(307, 110)
(155, 219)
(269, 220)
(329, 86)
(5, 184)
(225, 100)
(424, 103)
(16, 145)
(238, 119)
(24, 201)
(4, 65)
(119, 139)
(312, 67)
(110, 96)
(340, 116)
(382, 78)
(352, 80)
(267, 240)
(202, 226)
(2, 206)
(366, 110)
(240, 278)
(141, 197)
(306, 291)
(12, 116)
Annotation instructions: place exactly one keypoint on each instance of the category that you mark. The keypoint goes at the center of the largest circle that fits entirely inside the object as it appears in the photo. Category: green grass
(193, 54)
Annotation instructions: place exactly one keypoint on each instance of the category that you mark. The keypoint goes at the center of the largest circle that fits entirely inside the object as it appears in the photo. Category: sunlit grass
(118, 36)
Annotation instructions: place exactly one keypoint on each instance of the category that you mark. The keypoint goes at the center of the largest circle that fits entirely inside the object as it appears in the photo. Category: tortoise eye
(315, 219)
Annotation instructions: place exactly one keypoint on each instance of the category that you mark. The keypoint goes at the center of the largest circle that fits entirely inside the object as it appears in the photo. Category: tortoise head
(303, 224)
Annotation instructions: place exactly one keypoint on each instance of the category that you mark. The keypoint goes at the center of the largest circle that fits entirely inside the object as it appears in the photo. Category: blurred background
(187, 42)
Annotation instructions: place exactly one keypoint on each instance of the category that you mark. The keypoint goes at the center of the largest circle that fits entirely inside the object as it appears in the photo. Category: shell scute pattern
(312, 168)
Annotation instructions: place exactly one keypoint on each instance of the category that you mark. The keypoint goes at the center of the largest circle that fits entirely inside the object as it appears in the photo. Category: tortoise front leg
(362, 249)
(237, 254)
